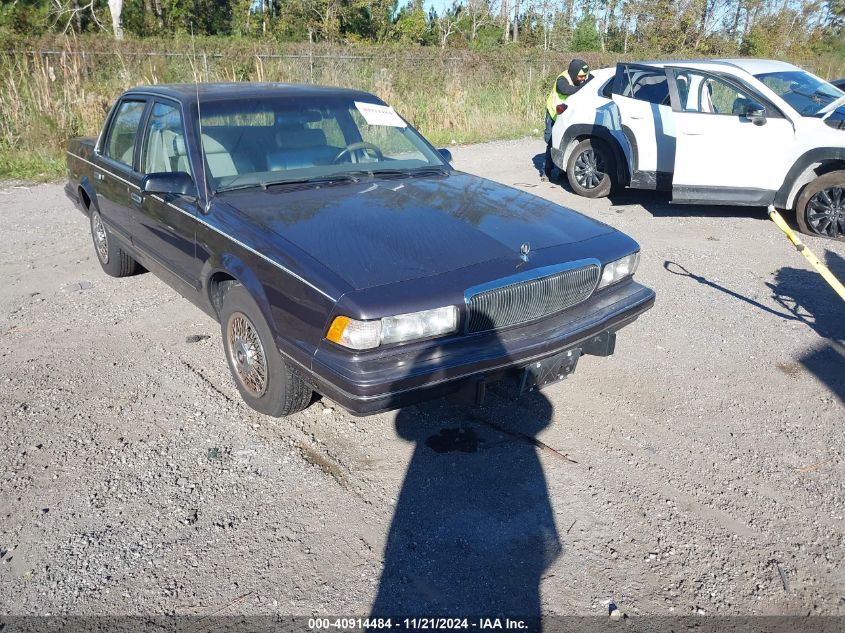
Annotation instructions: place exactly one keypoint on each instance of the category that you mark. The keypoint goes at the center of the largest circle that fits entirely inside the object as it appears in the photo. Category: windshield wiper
(236, 187)
(419, 171)
(430, 171)
(315, 180)
(380, 172)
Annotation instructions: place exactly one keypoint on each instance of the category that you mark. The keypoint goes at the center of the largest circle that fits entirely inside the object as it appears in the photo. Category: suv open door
(641, 94)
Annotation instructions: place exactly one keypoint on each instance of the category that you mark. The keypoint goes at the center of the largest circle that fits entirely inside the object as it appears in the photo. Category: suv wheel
(264, 380)
(591, 169)
(820, 209)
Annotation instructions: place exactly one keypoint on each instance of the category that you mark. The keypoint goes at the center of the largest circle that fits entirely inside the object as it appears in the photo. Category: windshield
(807, 94)
(275, 140)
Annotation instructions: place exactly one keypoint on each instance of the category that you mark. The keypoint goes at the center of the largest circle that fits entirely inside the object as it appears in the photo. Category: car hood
(376, 232)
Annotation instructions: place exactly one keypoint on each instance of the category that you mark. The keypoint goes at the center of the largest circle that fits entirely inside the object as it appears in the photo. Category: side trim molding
(215, 229)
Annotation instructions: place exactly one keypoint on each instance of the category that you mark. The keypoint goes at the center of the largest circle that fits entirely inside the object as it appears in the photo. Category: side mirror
(445, 153)
(177, 183)
(756, 113)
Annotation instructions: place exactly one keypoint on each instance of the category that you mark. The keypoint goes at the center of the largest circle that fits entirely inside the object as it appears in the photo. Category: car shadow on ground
(804, 296)
(473, 529)
(808, 297)
(677, 269)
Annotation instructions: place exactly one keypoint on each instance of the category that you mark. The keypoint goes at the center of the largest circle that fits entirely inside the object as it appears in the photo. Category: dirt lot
(709, 448)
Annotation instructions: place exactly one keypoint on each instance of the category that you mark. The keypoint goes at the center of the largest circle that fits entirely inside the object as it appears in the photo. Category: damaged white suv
(738, 132)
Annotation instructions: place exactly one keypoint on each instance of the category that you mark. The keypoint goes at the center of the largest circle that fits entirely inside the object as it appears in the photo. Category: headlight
(395, 329)
(619, 269)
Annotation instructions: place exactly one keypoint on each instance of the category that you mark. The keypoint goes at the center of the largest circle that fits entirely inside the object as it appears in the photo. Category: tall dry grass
(60, 91)
(54, 90)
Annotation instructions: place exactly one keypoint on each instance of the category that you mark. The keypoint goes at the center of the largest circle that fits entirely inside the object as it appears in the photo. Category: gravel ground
(709, 448)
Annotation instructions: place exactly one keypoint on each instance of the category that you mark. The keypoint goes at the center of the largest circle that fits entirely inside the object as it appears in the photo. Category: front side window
(124, 130)
(164, 141)
(808, 95)
(705, 93)
(270, 140)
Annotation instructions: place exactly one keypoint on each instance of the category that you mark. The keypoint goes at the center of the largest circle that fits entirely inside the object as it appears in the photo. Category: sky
(439, 5)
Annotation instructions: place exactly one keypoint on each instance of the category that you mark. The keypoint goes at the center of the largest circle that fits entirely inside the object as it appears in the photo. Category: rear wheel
(591, 169)
(820, 209)
(113, 259)
(264, 380)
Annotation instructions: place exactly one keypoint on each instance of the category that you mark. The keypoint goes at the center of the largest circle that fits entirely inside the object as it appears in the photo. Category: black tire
(591, 169)
(820, 209)
(113, 259)
(281, 391)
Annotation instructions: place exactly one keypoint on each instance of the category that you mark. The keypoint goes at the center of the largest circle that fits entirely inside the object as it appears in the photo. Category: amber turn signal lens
(335, 333)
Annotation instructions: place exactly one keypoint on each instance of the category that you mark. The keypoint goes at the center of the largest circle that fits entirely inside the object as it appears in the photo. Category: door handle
(636, 117)
(136, 198)
(99, 176)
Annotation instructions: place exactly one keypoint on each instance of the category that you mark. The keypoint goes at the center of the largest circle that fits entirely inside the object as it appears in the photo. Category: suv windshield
(807, 94)
(277, 140)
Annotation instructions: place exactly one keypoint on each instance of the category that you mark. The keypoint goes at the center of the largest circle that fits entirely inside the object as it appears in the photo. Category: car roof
(751, 66)
(188, 93)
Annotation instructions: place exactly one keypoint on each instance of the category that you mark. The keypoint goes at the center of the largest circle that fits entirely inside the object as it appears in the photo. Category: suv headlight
(394, 329)
(619, 269)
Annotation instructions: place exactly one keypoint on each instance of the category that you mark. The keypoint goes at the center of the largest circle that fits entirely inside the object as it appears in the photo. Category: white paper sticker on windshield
(375, 114)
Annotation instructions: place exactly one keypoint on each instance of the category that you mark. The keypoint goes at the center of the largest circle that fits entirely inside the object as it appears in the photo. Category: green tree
(412, 26)
(585, 37)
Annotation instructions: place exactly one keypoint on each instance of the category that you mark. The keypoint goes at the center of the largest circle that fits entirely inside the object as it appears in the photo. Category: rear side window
(645, 85)
(120, 145)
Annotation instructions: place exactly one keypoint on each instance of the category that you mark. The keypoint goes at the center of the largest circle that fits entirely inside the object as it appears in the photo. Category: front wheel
(266, 383)
(591, 169)
(820, 209)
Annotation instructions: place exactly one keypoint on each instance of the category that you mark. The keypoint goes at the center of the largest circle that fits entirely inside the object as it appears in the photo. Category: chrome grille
(531, 299)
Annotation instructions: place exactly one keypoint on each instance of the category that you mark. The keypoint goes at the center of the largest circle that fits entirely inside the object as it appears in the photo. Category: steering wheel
(353, 147)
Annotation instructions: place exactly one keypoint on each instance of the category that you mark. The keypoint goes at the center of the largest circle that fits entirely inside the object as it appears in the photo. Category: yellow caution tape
(823, 270)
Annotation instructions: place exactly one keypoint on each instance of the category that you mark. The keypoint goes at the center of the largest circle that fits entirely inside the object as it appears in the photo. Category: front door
(724, 156)
(164, 227)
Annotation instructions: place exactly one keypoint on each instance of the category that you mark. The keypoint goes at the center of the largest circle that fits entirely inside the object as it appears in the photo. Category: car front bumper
(460, 366)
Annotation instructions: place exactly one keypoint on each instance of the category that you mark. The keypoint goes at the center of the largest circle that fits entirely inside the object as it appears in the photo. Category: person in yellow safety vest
(566, 84)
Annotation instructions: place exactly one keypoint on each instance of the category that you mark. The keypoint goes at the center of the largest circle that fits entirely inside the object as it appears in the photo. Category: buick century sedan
(341, 253)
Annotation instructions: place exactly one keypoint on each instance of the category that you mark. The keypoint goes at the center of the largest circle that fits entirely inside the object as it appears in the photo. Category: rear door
(641, 94)
(164, 228)
(722, 155)
(116, 180)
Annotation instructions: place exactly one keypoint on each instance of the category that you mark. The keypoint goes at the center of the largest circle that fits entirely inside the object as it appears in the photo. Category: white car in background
(737, 132)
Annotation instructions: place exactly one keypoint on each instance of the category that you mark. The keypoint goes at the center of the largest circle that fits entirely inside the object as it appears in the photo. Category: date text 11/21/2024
(415, 624)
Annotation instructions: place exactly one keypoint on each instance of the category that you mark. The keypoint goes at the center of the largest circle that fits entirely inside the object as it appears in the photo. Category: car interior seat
(122, 148)
(653, 90)
(221, 163)
(155, 157)
(298, 146)
(178, 152)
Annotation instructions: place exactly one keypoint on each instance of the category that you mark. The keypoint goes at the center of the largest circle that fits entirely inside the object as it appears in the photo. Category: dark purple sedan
(341, 253)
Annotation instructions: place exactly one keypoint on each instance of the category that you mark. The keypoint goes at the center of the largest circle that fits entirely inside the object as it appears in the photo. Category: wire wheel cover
(101, 238)
(246, 354)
